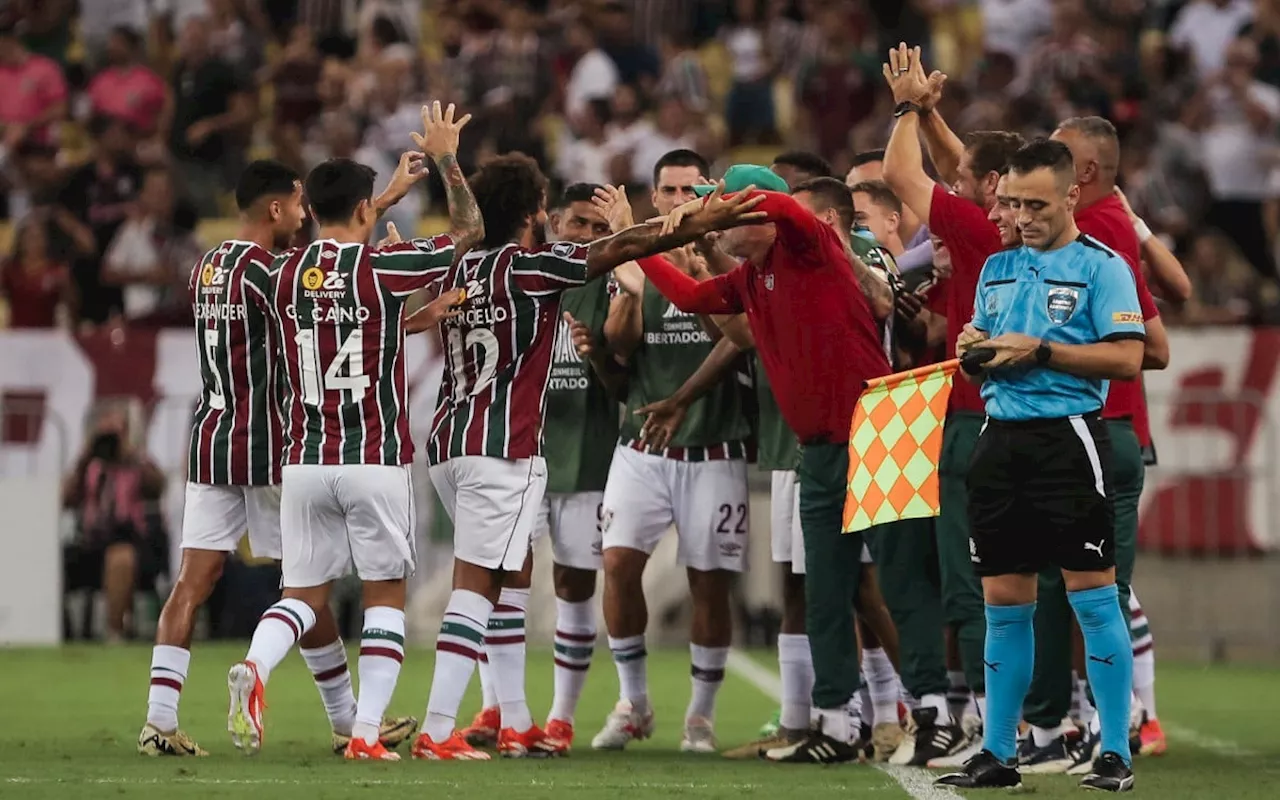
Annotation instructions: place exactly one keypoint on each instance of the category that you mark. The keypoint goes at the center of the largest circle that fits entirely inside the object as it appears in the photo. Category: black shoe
(815, 748)
(868, 752)
(934, 740)
(1084, 752)
(983, 771)
(1110, 774)
(1054, 758)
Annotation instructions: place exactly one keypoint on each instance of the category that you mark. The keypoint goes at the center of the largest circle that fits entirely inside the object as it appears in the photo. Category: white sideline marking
(367, 781)
(1222, 747)
(915, 781)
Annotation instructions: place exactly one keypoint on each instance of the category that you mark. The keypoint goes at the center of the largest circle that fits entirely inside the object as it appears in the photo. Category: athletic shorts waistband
(1045, 422)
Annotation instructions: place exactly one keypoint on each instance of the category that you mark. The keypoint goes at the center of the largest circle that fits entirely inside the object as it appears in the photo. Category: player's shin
(505, 645)
(168, 674)
(279, 629)
(575, 643)
(457, 648)
(1009, 657)
(326, 657)
(796, 665)
(381, 656)
(1110, 662)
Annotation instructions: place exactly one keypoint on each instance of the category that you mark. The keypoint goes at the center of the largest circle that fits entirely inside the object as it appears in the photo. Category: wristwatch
(1043, 353)
(906, 107)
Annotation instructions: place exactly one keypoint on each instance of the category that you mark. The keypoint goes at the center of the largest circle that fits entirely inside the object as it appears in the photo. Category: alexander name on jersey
(210, 300)
(678, 328)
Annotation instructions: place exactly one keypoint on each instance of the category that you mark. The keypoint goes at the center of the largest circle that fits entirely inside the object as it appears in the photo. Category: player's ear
(275, 211)
(1073, 197)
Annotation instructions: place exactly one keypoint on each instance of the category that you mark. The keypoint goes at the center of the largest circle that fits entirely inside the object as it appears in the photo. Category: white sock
(328, 667)
(1144, 680)
(707, 671)
(958, 696)
(841, 723)
(279, 629)
(630, 657)
(575, 643)
(939, 703)
(795, 662)
(504, 644)
(882, 685)
(457, 647)
(980, 701)
(381, 656)
(168, 674)
(488, 689)
(1085, 710)
(1043, 737)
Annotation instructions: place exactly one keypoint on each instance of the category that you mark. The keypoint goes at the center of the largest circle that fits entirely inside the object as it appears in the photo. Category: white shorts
(216, 518)
(494, 504)
(573, 520)
(706, 500)
(337, 518)
(786, 538)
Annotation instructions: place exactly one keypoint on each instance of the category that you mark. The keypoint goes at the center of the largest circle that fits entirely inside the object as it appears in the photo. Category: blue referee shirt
(1082, 293)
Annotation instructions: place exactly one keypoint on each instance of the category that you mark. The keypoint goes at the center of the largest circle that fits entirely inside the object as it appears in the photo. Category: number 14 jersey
(498, 350)
(339, 311)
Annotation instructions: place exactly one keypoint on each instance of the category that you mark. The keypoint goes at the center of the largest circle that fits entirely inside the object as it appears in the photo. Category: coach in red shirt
(972, 166)
(1095, 148)
(818, 341)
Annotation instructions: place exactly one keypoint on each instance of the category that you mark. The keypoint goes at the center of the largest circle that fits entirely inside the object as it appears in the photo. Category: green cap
(740, 176)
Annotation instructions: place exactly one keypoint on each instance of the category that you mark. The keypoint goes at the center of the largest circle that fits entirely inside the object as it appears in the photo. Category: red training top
(813, 328)
(1108, 222)
(970, 238)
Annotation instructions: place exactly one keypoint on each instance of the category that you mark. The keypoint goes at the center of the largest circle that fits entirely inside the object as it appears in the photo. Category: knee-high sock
(631, 657)
(329, 669)
(168, 673)
(1109, 662)
(279, 629)
(505, 645)
(1144, 657)
(381, 655)
(707, 676)
(575, 643)
(457, 647)
(1009, 656)
(795, 663)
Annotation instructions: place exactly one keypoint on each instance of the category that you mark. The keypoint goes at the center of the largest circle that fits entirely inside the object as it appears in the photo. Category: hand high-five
(905, 75)
(411, 169)
(440, 131)
(715, 212)
(447, 306)
(612, 203)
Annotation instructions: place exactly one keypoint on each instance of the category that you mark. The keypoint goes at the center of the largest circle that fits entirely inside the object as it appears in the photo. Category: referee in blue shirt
(1053, 321)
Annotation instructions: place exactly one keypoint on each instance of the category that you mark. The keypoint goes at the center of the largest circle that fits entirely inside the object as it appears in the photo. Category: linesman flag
(894, 445)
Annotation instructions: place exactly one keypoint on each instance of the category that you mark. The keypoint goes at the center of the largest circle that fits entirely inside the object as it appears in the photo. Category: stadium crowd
(134, 116)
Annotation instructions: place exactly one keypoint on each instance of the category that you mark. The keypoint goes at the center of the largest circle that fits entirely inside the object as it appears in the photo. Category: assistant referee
(1056, 320)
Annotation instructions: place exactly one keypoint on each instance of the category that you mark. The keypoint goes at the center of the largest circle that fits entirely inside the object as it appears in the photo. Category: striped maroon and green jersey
(498, 350)
(236, 428)
(339, 311)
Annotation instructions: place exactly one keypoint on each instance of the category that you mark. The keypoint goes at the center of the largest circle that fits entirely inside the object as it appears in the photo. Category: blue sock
(1010, 655)
(1110, 662)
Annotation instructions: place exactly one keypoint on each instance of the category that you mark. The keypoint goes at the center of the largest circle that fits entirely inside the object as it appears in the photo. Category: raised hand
(440, 131)
(446, 306)
(720, 213)
(580, 336)
(969, 336)
(905, 75)
(662, 421)
(392, 237)
(613, 204)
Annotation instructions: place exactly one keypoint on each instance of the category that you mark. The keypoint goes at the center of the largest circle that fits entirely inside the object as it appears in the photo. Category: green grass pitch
(71, 717)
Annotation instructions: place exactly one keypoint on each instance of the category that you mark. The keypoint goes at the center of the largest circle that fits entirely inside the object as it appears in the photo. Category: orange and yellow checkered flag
(894, 445)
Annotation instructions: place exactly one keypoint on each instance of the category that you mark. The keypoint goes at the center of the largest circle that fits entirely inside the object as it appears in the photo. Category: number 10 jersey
(498, 350)
(339, 309)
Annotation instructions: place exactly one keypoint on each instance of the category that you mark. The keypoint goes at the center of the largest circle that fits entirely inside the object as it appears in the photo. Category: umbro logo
(1095, 547)
(1108, 660)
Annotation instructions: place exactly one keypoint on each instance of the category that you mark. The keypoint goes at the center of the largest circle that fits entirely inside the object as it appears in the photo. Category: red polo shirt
(1108, 222)
(813, 327)
(970, 238)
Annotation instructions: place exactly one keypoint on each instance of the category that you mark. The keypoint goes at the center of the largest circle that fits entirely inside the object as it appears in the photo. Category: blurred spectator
(836, 88)
(380, 46)
(671, 132)
(1239, 150)
(1264, 30)
(327, 20)
(35, 93)
(593, 76)
(637, 63)
(109, 489)
(1067, 54)
(793, 42)
(35, 282)
(295, 78)
(585, 157)
(99, 19)
(1012, 26)
(749, 112)
(518, 64)
(101, 195)
(683, 76)
(232, 37)
(128, 88)
(1225, 289)
(153, 253)
(1206, 28)
(211, 112)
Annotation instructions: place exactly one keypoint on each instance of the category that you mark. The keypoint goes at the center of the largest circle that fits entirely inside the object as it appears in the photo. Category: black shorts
(1040, 496)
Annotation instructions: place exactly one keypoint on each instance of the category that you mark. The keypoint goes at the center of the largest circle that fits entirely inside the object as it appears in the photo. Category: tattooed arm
(877, 291)
(440, 142)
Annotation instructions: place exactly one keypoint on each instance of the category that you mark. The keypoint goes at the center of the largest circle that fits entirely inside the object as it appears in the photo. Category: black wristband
(906, 107)
(1043, 353)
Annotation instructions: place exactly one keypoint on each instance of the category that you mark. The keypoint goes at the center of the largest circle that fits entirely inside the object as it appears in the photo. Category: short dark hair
(990, 151)
(812, 163)
(1095, 127)
(1044, 154)
(577, 193)
(681, 158)
(508, 189)
(880, 194)
(264, 178)
(336, 187)
(867, 157)
(833, 194)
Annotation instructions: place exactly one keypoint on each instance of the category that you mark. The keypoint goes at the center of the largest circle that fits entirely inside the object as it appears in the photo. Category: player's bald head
(1095, 148)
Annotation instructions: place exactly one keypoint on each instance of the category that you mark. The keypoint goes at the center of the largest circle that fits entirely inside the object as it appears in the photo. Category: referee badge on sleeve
(1061, 304)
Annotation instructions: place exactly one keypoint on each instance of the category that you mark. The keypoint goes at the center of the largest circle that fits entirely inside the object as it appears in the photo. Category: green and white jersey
(778, 447)
(673, 347)
(580, 425)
